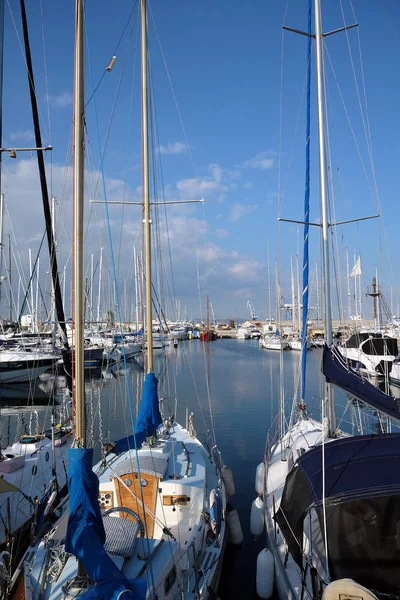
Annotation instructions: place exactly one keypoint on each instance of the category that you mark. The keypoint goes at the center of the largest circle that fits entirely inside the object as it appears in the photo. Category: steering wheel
(128, 511)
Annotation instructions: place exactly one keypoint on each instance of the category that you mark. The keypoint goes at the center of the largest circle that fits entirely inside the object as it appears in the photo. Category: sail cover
(362, 500)
(148, 419)
(86, 536)
(337, 371)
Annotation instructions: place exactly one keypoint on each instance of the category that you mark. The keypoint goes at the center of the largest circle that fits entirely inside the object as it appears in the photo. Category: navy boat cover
(362, 500)
(85, 533)
(337, 371)
(148, 419)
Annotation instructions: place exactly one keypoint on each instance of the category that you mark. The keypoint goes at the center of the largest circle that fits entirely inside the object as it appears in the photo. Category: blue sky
(224, 59)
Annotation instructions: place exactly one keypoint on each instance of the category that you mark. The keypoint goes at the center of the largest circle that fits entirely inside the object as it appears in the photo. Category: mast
(45, 197)
(146, 191)
(91, 287)
(78, 197)
(9, 276)
(99, 289)
(1, 130)
(305, 293)
(331, 412)
(348, 284)
(293, 300)
(1, 222)
(298, 295)
(269, 282)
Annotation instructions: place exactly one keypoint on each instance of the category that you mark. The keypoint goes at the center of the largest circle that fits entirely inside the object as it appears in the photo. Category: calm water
(244, 399)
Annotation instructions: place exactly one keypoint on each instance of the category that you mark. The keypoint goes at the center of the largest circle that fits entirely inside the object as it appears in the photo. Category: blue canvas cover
(337, 371)
(360, 472)
(85, 533)
(148, 419)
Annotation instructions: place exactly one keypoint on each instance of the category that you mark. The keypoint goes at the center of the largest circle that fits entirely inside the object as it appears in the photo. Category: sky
(227, 128)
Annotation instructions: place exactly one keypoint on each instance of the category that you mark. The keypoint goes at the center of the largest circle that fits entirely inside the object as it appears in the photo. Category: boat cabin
(362, 508)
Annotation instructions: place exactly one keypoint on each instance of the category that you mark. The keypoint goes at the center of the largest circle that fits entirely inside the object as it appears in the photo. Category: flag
(356, 270)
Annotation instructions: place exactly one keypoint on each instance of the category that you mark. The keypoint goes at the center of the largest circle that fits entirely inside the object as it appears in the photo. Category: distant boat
(370, 353)
(242, 333)
(273, 342)
(296, 344)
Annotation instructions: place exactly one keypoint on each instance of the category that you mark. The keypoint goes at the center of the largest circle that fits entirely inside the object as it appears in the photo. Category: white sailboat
(329, 501)
(151, 518)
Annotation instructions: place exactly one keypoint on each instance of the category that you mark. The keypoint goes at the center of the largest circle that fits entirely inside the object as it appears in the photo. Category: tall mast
(1, 131)
(269, 282)
(146, 192)
(331, 413)
(78, 197)
(45, 197)
(292, 287)
(99, 290)
(9, 277)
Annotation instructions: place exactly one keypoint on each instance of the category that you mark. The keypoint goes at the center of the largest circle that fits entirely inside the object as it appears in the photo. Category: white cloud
(262, 160)
(173, 148)
(61, 100)
(210, 186)
(245, 269)
(25, 135)
(241, 210)
(211, 253)
(221, 233)
(248, 185)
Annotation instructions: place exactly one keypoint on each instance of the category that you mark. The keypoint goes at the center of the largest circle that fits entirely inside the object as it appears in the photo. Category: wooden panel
(125, 497)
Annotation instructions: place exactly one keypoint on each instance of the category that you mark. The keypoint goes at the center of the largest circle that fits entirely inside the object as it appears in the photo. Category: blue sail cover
(337, 371)
(86, 536)
(306, 218)
(148, 419)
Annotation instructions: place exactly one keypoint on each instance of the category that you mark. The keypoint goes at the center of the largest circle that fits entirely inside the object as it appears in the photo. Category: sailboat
(150, 520)
(329, 501)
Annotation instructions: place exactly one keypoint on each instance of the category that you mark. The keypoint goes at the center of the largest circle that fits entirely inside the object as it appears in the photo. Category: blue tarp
(357, 466)
(85, 534)
(148, 419)
(337, 371)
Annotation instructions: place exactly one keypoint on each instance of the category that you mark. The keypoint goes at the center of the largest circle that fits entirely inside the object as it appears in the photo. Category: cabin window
(169, 581)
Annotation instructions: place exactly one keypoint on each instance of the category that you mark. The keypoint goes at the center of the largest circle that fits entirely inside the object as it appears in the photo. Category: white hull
(127, 351)
(394, 375)
(273, 343)
(33, 457)
(297, 345)
(369, 364)
(18, 366)
(303, 435)
(183, 470)
(242, 334)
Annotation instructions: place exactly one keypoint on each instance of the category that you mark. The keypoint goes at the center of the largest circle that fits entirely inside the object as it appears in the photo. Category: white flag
(356, 270)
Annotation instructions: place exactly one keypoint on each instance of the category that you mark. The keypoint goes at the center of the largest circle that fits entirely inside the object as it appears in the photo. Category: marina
(244, 396)
(149, 186)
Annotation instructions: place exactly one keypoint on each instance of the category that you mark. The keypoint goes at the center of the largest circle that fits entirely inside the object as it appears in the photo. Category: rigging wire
(135, 4)
(47, 133)
(117, 293)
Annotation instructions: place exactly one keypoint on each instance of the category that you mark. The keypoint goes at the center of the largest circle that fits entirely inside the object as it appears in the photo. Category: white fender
(347, 588)
(260, 477)
(265, 574)
(233, 523)
(257, 516)
(227, 478)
